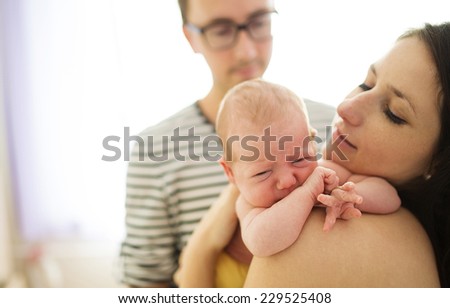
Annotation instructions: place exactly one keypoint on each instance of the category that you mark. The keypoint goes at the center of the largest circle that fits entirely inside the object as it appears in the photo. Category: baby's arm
(379, 197)
(266, 231)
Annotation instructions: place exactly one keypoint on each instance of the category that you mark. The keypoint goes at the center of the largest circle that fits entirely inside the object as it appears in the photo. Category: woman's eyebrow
(400, 94)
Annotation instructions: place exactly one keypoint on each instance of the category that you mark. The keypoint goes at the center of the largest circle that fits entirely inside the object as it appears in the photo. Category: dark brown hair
(428, 198)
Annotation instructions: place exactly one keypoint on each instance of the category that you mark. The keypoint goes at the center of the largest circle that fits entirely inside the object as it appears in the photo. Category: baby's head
(266, 140)
(253, 106)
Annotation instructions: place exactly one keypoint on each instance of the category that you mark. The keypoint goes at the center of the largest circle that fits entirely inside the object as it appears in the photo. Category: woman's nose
(352, 110)
(286, 181)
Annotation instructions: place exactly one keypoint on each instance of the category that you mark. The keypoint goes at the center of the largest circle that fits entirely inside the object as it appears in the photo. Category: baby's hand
(330, 182)
(341, 203)
(321, 180)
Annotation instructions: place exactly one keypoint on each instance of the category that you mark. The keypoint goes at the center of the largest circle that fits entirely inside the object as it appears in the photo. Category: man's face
(247, 58)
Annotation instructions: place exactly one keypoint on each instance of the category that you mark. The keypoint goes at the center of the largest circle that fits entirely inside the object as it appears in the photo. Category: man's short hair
(183, 9)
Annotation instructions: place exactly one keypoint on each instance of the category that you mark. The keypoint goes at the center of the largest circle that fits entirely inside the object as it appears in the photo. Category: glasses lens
(260, 27)
(220, 35)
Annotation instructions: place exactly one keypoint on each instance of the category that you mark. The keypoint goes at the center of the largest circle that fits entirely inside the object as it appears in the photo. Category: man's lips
(249, 69)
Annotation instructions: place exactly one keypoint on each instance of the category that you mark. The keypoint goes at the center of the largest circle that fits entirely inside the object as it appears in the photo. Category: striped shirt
(173, 178)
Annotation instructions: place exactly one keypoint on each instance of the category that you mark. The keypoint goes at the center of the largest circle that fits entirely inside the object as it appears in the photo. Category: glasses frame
(236, 26)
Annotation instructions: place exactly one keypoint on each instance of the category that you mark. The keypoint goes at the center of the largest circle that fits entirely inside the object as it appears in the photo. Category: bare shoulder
(372, 251)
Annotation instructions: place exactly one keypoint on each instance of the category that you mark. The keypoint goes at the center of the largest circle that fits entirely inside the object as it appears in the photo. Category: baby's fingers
(330, 219)
(347, 196)
(330, 183)
(347, 186)
(349, 212)
(328, 200)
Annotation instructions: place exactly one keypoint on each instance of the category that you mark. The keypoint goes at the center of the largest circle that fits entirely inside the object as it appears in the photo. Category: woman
(397, 124)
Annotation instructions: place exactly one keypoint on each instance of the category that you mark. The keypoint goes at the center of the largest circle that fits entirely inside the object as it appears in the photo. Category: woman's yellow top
(230, 273)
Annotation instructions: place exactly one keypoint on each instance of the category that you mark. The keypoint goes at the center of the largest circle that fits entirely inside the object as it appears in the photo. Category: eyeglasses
(222, 34)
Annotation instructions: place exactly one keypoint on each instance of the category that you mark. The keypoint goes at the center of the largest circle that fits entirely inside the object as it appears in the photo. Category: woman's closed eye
(365, 87)
(391, 116)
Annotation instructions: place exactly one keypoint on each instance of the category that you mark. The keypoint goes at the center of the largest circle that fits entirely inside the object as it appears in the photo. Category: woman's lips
(342, 139)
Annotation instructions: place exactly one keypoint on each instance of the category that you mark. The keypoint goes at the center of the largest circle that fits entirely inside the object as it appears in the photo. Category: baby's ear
(312, 132)
(312, 145)
(227, 168)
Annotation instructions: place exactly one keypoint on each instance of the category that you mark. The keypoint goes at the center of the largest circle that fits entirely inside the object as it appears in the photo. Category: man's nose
(245, 48)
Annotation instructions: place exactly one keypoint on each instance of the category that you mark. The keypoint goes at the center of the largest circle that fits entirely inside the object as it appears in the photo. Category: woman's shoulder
(372, 251)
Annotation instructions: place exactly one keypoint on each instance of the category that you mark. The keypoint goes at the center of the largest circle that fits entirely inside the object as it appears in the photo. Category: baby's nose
(286, 181)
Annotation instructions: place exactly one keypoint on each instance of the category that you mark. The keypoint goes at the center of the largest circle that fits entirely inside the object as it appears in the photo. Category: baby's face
(267, 170)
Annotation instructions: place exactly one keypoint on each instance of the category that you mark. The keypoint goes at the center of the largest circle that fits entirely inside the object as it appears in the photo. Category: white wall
(325, 47)
(5, 232)
(6, 235)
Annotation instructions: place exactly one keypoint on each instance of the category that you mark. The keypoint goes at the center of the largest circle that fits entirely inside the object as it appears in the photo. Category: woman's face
(391, 121)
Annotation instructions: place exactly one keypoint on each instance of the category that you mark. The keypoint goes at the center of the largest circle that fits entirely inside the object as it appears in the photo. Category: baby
(269, 154)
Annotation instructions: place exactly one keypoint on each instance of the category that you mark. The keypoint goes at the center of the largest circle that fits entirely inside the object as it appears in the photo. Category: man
(174, 177)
